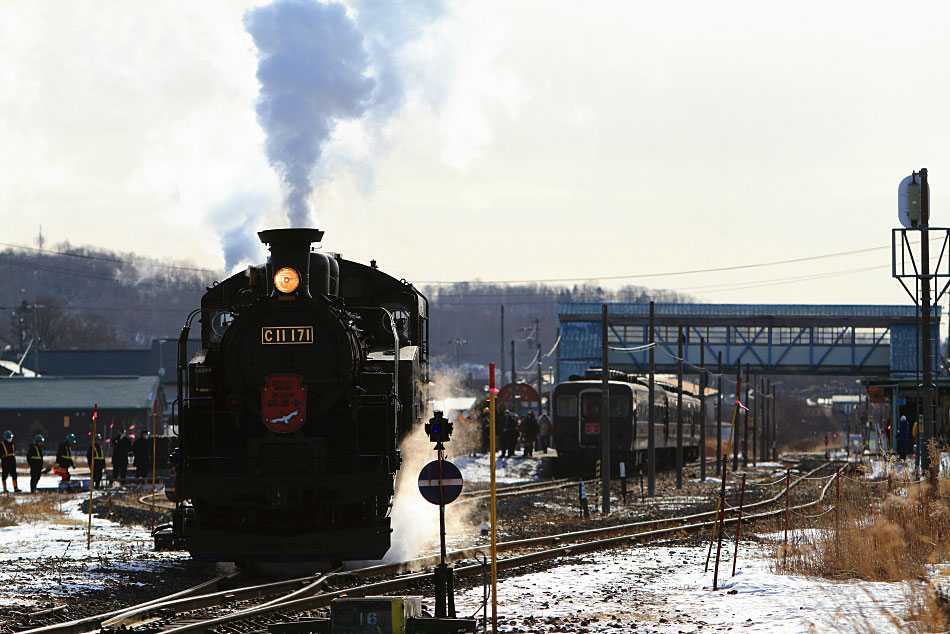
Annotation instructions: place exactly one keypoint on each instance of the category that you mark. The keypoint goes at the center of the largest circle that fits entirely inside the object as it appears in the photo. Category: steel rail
(140, 614)
(186, 600)
(324, 599)
(136, 614)
(90, 623)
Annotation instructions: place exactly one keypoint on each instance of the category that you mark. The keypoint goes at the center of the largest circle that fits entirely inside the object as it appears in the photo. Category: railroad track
(309, 593)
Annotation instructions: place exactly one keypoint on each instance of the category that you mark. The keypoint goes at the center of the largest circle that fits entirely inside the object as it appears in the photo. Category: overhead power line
(719, 269)
(95, 276)
(103, 258)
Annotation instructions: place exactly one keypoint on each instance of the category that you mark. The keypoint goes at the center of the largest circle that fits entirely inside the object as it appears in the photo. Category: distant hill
(94, 298)
(90, 298)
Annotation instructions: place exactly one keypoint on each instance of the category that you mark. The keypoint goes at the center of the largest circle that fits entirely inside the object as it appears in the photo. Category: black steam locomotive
(311, 368)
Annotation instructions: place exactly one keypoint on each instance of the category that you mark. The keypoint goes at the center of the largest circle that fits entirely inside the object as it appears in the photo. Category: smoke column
(312, 71)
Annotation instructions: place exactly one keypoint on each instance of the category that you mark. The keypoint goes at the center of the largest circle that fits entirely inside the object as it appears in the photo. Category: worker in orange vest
(8, 460)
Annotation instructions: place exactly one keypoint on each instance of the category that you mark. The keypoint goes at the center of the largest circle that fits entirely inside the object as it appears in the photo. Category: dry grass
(35, 509)
(890, 531)
(878, 532)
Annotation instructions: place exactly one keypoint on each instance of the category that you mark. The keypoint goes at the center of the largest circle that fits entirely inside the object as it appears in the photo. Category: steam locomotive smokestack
(290, 248)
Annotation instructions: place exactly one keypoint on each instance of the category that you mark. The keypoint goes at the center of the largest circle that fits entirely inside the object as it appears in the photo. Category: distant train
(311, 369)
(577, 420)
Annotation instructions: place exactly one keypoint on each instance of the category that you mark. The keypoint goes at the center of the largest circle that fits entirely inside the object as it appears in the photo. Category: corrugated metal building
(57, 406)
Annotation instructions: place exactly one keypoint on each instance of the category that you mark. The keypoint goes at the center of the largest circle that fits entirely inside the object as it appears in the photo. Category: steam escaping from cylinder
(415, 521)
(313, 71)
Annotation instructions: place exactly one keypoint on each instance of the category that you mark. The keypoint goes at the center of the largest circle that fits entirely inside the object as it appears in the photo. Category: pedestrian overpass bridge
(859, 340)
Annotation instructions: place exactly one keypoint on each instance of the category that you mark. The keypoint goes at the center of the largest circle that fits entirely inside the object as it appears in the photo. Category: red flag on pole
(95, 411)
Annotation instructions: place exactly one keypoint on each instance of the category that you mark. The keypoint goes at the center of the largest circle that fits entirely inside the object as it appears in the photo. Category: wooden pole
(493, 517)
(92, 439)
(735, 555)
(837, 505)
(722, 492)
(720, 521)
(785, 541)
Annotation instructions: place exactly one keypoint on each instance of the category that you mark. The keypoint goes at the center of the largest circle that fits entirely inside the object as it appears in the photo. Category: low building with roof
(58, 406)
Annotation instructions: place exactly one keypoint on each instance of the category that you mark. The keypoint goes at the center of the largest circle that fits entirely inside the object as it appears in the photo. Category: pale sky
(536, 140)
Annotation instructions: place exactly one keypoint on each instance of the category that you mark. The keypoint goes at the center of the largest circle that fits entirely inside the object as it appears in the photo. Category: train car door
(588, 431)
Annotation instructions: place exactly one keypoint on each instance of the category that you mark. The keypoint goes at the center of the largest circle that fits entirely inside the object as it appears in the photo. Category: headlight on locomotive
(286, 280)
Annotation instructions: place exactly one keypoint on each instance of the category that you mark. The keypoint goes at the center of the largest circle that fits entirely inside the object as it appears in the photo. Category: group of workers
(531, 432)
(122, 446)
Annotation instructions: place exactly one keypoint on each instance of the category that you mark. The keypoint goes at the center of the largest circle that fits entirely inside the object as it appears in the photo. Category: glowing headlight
(286, 280)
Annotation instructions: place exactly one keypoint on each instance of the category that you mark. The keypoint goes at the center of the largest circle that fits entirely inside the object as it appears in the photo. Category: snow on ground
(515, 470)
(665, 590)
(647, 589)
(43, 559)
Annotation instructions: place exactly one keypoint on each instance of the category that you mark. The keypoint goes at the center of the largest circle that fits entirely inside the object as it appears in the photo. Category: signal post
(440, 482)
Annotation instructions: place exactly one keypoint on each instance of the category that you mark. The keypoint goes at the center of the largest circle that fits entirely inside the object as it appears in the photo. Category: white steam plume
(415, 521)
(312, 71)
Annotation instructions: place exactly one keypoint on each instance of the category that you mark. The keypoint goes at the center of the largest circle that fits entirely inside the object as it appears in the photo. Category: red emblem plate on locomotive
(284, 402)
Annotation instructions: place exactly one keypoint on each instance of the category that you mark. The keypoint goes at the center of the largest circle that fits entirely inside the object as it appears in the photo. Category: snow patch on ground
(44, 559)
(514, 470)
(665, 590)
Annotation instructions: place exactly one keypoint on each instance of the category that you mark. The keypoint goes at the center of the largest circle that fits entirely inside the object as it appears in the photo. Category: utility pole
(767, 427)
(913, 211)
(651, 439)
(514, 375)
(680, 423)
(702, 410)
(501, 356)
(604, 417)
(537, 338)
(36, 352)
(557, 358)
(774, 428)
(756, 422)
(929, 417)
(745, 421)
(734, 431)
(719, 419)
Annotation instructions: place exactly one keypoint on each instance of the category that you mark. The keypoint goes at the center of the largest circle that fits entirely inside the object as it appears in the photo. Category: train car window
(619, 406)
(590, 404)
(567, 405)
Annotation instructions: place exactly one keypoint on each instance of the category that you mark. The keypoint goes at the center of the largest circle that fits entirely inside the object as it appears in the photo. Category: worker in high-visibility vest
(64, 457)
(8, 460)
(34, 457)
(96, 459)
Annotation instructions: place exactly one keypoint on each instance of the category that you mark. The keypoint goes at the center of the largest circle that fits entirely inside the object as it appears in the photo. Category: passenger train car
(311, 369)
(577, 422)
